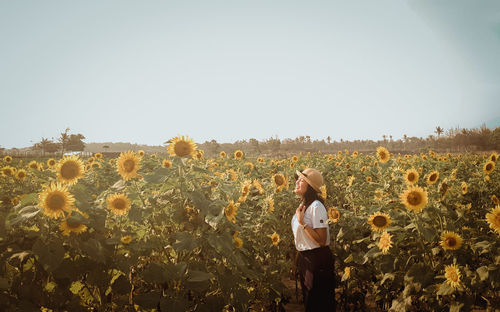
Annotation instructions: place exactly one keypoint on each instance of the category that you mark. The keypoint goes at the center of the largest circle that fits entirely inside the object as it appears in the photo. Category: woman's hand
(300, 213)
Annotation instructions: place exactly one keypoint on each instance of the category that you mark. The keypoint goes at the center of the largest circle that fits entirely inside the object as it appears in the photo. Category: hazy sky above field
(145, 71)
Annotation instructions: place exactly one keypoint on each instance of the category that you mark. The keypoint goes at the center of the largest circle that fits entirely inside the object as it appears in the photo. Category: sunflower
(432, 177)
(198, 154)
(333, 215)
(270, 204)
(249, 165)
(363, 169)
(451, 240)
(493, 219)
(260, 159)
(238, 242)
(51, 163)
(414, 198)
(8, 171)
(98, 155)
(127, 165)
(347, 273)
(279, 180)
(21, 174)
(383, 154)
(493, 157)
(385, 242)
(70, 169)
(488, 167)
(443, 189)
(464, 188)
(256, 184)
(495, 199)
(7, 159)
(411, 176)
(275, 238)
(452, 274)
(238, 154)
(379, 221)
(15, 201)
(72, 227)
(55, 200)
(141, 153)
(295, 158)
(222, 154)
(323, 192)
(181, 146)
(368, 179)
(379, 194)
(166, 163)
(96, 165)
(126, 239)
(119, 204)
(230, 211)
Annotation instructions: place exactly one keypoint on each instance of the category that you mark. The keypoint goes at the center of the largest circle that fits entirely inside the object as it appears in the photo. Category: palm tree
(439, 131)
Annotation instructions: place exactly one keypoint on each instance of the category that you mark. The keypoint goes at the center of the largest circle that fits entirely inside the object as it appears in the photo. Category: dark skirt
(317, 278)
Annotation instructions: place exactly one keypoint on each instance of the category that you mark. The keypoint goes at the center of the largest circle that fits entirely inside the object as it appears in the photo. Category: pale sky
(145, 71)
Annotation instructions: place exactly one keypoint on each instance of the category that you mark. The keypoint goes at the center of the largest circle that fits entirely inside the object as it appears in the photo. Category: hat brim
(300, 174)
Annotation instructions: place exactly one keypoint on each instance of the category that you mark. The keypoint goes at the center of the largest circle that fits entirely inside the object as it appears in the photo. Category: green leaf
(49, 255)
(175, 271)
(119, 185)
(149, 300)
(154, 273)
(93, 249)
(4, 283)
(157, 176)
(484, 247)
(348, 259)
(483, 272)
(429, 234)
(372, 253)
(31, 198)
(445, 289)
(198, 276)
(121, 285)
(455, 307)
(184, 241)
(386, 277)
(24, 214)
(174, 304)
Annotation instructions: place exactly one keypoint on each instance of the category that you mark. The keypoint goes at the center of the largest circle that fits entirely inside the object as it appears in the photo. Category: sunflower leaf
(483, 272)
(445, 289)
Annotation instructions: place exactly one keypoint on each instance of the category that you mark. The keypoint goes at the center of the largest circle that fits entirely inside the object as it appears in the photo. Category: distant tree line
(455, 140)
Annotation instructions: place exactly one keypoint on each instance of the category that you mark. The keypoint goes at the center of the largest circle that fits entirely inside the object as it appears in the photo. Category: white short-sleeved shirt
(315, 217)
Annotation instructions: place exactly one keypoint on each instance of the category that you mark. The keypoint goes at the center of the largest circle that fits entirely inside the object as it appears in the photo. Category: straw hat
(313, 177)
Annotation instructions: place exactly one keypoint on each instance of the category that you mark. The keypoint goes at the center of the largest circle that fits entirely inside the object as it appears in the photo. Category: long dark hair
(310, 196)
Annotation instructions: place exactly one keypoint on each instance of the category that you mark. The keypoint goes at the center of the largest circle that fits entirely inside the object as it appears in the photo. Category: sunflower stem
(139, 193)
(421, 241)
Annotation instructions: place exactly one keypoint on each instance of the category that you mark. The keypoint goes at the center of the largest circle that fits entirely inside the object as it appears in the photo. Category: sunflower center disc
(69, 170)
(414, 199)
(129, 165)
(55, 202)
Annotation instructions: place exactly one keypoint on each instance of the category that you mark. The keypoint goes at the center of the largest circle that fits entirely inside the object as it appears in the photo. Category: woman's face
(300, 186)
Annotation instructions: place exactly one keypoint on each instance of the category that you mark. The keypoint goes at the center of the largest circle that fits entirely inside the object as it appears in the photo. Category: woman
(314, 260)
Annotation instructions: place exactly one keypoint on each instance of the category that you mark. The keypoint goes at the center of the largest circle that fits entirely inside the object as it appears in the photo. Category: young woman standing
(315, 263)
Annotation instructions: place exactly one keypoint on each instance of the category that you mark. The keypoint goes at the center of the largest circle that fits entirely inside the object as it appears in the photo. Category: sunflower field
(181, 232)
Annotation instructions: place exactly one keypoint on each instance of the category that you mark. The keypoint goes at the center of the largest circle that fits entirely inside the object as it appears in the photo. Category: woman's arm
(318, 235)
